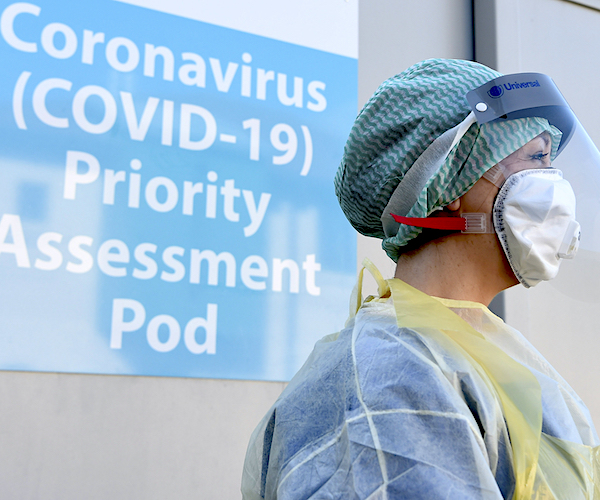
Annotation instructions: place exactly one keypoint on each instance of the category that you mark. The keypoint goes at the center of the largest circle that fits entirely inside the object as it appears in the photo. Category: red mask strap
(444, 223)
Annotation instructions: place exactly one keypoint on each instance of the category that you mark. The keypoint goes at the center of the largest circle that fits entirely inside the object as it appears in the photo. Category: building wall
(123, 438)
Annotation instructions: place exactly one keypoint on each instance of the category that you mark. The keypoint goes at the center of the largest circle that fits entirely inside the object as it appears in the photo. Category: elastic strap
(356, 298)
(425, 167)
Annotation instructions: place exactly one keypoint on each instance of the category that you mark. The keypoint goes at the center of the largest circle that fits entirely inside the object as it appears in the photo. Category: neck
(458, 266)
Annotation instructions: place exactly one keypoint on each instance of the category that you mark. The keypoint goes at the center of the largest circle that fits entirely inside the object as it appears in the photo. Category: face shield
(576, 156)
(579, 162)
(566, 147)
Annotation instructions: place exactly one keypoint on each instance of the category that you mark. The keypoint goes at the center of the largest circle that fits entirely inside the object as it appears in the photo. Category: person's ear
(454, 206)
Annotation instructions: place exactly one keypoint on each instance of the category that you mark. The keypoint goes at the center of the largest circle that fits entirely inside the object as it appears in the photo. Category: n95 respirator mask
(534, 218)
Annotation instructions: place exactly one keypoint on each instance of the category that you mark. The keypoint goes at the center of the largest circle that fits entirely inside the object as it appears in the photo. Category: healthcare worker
(425, 393)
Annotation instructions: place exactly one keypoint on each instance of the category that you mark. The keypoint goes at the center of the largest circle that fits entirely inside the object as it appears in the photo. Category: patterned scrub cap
(400, 121)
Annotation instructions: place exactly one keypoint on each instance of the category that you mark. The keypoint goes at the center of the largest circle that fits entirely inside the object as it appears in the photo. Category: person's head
(417, 150)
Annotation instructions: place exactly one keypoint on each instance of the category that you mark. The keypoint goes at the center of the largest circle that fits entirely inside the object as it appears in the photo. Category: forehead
(541, 141)
(544, 138)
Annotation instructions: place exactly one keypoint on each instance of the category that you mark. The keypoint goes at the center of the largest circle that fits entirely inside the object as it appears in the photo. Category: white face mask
(534, 218)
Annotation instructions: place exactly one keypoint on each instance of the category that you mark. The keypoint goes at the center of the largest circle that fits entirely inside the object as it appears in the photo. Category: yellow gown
(421, 397)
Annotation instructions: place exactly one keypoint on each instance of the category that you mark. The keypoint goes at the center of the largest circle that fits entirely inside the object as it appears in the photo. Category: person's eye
(539, 156)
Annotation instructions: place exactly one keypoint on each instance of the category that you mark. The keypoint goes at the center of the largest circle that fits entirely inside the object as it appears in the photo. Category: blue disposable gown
(382, 411)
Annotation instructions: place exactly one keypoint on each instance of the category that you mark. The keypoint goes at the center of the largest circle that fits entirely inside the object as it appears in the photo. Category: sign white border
(333, 23)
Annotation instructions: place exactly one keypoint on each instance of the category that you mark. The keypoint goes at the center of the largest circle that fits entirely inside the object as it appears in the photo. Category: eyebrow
(545, 137)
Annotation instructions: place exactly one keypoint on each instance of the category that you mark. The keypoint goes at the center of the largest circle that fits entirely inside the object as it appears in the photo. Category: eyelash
(539, 156)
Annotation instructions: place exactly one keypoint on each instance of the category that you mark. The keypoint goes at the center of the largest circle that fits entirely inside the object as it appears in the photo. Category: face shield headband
(523, 95)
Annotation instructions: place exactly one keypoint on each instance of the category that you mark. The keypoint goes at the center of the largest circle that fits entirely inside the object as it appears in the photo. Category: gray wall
(74, 437)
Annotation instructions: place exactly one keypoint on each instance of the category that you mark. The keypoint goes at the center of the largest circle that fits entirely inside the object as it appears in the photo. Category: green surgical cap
(400, 121)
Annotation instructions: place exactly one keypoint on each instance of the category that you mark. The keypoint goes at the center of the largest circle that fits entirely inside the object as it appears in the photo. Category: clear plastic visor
(579, 163)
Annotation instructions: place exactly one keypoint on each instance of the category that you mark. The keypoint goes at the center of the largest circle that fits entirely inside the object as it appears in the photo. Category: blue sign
(167, 202)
